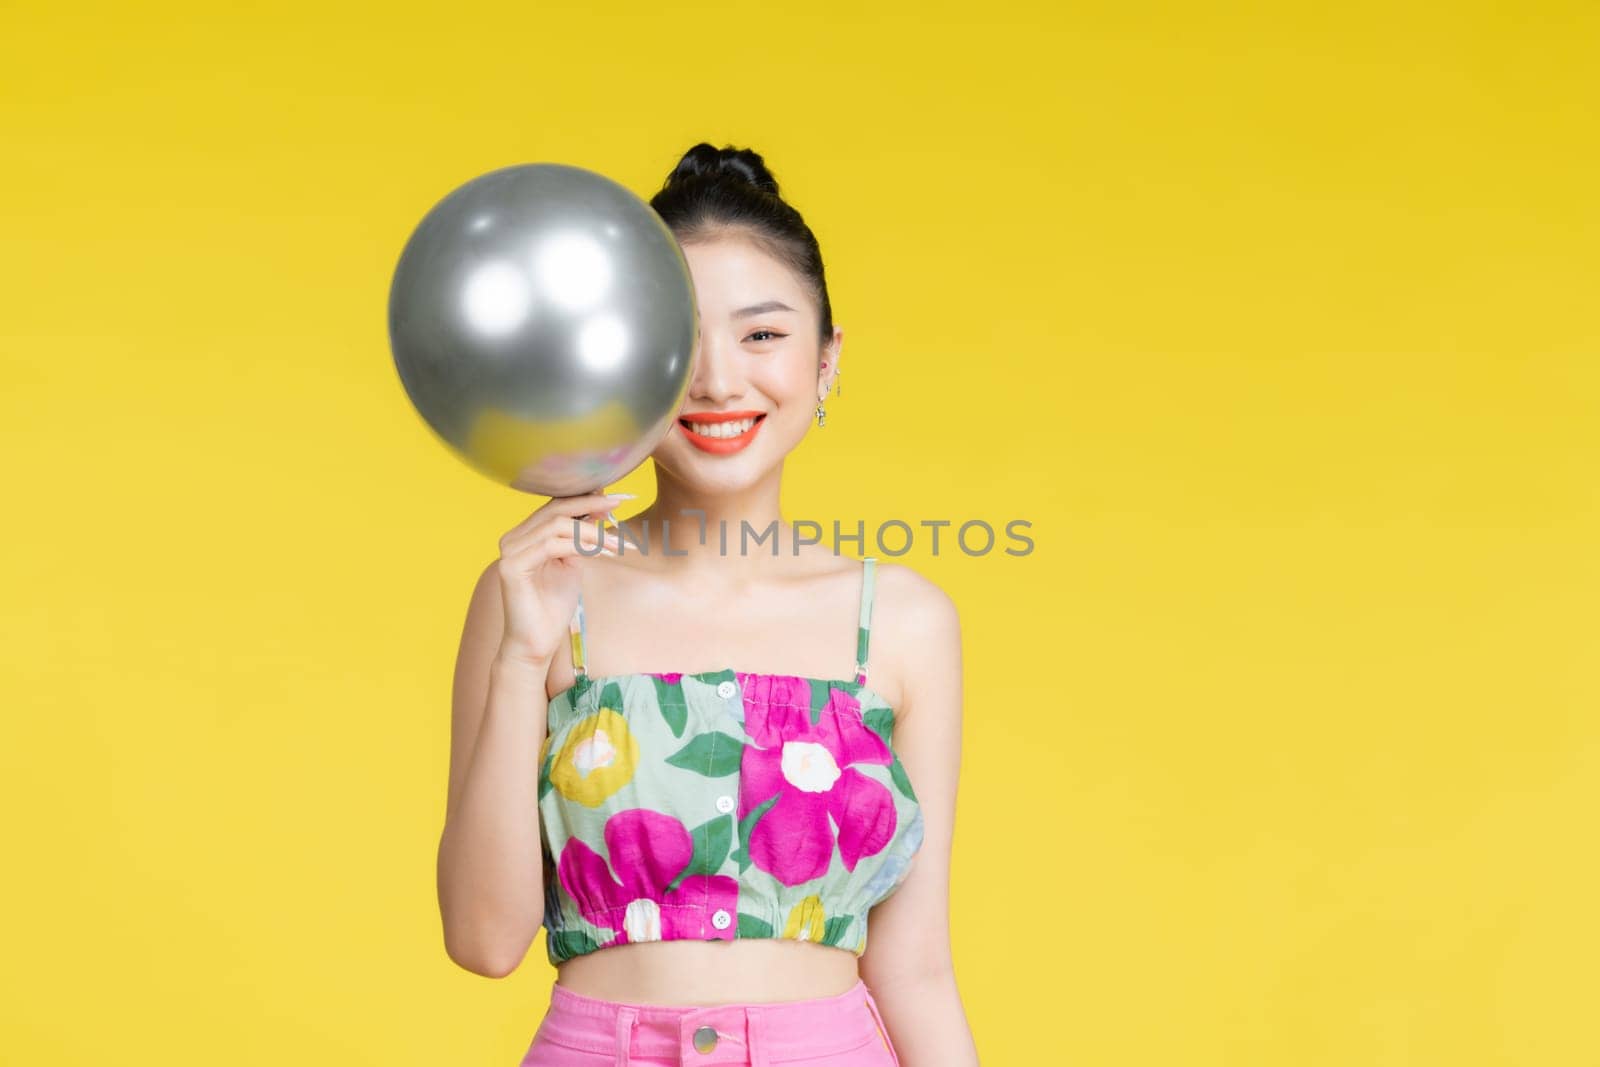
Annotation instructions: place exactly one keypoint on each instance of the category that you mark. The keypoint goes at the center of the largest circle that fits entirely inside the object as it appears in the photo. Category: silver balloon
(543, 321)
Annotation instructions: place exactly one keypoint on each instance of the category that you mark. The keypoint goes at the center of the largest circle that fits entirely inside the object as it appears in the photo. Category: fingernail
(620, 496)
(611, 516)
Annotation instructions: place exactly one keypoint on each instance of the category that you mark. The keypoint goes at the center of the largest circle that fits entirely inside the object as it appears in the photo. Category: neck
(682, 517)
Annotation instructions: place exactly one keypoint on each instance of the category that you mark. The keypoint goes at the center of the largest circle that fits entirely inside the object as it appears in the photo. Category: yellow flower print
(806, 921)
(597, 759)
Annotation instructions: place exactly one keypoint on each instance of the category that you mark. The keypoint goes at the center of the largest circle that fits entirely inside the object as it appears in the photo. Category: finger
(591, 537)
(566, 527)
(535, 555)
(562, 539)
(591, 504)
(587, 545)
(560, 509)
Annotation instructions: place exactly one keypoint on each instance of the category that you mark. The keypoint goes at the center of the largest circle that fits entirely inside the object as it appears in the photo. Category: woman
(720, 799)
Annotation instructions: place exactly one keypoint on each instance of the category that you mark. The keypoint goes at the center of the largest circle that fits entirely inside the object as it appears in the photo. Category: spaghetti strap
(864, 626)
(579, 634)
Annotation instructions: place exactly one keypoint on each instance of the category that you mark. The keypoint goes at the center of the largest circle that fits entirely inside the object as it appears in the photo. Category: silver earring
(821, 415)
(838, 384)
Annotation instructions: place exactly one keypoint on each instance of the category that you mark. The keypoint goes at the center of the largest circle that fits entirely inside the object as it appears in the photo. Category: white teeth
(721, 429)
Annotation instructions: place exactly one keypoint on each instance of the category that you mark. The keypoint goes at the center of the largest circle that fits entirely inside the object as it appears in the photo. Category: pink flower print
(671, 678)
(648, 850)
(808, 767)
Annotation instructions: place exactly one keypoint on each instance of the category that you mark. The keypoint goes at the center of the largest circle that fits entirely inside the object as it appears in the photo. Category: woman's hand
(540, 567)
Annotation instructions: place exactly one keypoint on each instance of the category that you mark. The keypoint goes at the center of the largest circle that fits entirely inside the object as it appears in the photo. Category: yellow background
(1276, 321)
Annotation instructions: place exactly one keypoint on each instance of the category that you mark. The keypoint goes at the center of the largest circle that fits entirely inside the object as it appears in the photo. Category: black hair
(715, 192)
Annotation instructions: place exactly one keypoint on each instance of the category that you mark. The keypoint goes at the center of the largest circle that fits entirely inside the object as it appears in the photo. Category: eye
(769, 333)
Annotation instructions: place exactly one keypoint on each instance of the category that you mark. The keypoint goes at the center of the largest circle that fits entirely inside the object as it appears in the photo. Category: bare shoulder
(916, 635)
(915, 601)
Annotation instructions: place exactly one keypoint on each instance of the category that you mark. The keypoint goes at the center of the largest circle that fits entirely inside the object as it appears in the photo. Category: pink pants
(845, 1030)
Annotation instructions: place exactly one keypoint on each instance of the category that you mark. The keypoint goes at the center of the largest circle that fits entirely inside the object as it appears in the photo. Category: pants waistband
(752, 1033)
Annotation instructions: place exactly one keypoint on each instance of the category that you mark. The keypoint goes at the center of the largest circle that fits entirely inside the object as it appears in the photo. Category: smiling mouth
(720, 429)
(724, 433)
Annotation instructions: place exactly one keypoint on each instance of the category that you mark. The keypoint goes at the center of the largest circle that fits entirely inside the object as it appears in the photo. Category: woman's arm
(491, 882)
(907, 964)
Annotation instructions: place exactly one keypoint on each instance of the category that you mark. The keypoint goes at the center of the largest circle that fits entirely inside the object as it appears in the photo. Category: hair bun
(721, 193)
(727, 163)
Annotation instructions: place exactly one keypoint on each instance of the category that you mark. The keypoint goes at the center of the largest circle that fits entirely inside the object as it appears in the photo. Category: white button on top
(725, 804)
(720, 919)
(726, 689)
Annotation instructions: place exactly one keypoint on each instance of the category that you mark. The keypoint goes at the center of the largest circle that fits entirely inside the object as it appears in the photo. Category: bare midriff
(707, 973)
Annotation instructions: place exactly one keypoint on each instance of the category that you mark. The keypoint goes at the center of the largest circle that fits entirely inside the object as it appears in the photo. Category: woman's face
(759, 358)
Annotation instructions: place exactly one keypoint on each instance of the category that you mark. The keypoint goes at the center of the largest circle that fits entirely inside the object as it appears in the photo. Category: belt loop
(625, 1017)
(755, 1027)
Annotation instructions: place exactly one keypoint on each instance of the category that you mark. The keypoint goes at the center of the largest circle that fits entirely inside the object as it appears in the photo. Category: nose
(715, 376)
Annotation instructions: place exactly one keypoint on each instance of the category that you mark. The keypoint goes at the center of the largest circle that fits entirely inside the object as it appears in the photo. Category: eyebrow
(761, 309)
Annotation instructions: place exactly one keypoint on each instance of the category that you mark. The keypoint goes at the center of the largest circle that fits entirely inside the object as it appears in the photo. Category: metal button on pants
(842, 1030)
(729, 1034)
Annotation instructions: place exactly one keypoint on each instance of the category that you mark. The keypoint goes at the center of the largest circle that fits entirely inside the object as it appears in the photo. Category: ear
(828, 362)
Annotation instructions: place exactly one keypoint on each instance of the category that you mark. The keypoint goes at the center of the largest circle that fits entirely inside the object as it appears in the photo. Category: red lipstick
(720, 445)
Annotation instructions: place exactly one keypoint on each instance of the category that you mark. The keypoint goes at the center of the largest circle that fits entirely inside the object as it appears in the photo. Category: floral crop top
(720, 805)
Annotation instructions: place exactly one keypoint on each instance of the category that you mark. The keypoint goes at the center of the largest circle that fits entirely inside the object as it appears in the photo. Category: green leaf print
(569, 943)
(545, 784)
(833, 930)
(713, 754)
(741, 855)
(750, 926)
(669, 698)
(881, 722)
(901, 782)
(711, 843)
(821, 693)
